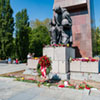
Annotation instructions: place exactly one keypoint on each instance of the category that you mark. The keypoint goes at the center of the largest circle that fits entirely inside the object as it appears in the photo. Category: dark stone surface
(61, 26)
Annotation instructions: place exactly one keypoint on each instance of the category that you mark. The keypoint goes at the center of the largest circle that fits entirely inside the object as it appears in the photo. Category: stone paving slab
(8, 87)
(6, 68)
(90, 98)
(14, 90)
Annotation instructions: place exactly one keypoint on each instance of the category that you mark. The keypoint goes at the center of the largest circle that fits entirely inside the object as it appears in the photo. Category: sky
(42, 9)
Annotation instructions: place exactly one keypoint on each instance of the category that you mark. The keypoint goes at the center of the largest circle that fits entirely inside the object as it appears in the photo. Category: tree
(39, 38)
(37, 22)
(22, 34)
(96, 41)
(6, 28)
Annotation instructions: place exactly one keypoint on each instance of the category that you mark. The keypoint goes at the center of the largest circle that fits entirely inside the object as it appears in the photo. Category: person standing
(9, 60)
(29, 56)
(17, 61)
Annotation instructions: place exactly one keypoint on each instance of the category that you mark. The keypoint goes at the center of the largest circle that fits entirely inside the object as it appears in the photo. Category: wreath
(44, 66)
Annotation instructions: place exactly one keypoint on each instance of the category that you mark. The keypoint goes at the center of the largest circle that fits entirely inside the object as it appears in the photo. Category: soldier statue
(61, 26)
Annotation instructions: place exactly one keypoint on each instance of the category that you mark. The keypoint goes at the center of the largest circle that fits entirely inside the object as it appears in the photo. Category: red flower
(81, 87)
(93, 60)
(84, 82)
(59, 44)
(44, 62)
(31, 79)
(85, 60)
(61, 86)
(71, 85)
(73, 59)
(41, 80)
(87, 87)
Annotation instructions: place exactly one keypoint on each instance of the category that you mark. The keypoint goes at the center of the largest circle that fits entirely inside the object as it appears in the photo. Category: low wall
(59, 66)
(88, 67)
(31, 67)
(85, 76)
(32, 63)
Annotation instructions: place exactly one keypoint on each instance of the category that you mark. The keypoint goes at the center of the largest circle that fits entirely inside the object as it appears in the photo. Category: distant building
(82, 14)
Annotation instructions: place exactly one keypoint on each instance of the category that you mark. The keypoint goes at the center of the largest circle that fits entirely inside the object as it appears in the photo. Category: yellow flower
(67, 45)
(86, 58)
(36, 58)
(22, 78)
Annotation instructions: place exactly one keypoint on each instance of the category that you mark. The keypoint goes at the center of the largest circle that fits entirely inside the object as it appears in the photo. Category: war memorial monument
(82, 15)
(71, 25)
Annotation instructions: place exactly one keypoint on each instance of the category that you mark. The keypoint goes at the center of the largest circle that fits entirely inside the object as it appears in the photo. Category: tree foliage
(37, 22)
(22, 34)
(39, 38)
(6, 29)
(96, 41)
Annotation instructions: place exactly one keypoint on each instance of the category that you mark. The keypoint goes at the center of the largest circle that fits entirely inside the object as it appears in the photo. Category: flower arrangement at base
(58, 45)
(66, 84)
(36, 58)
(85, 86)
(44, 66)
(86, 59)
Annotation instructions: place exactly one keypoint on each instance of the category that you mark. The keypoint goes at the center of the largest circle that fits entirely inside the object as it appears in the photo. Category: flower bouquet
(44, 66)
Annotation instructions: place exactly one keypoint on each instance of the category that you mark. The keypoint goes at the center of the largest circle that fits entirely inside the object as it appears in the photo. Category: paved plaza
(14, 90)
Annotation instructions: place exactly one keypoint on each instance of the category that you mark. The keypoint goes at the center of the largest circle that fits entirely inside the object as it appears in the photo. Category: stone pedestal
(59, 53)
(59, 57)
(86, 67)
(31, 67)
(75, 66)
(32, 63)
(85, 71)
(85, 76)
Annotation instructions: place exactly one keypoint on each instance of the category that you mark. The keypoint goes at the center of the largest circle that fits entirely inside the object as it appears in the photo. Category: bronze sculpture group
(61, 26)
